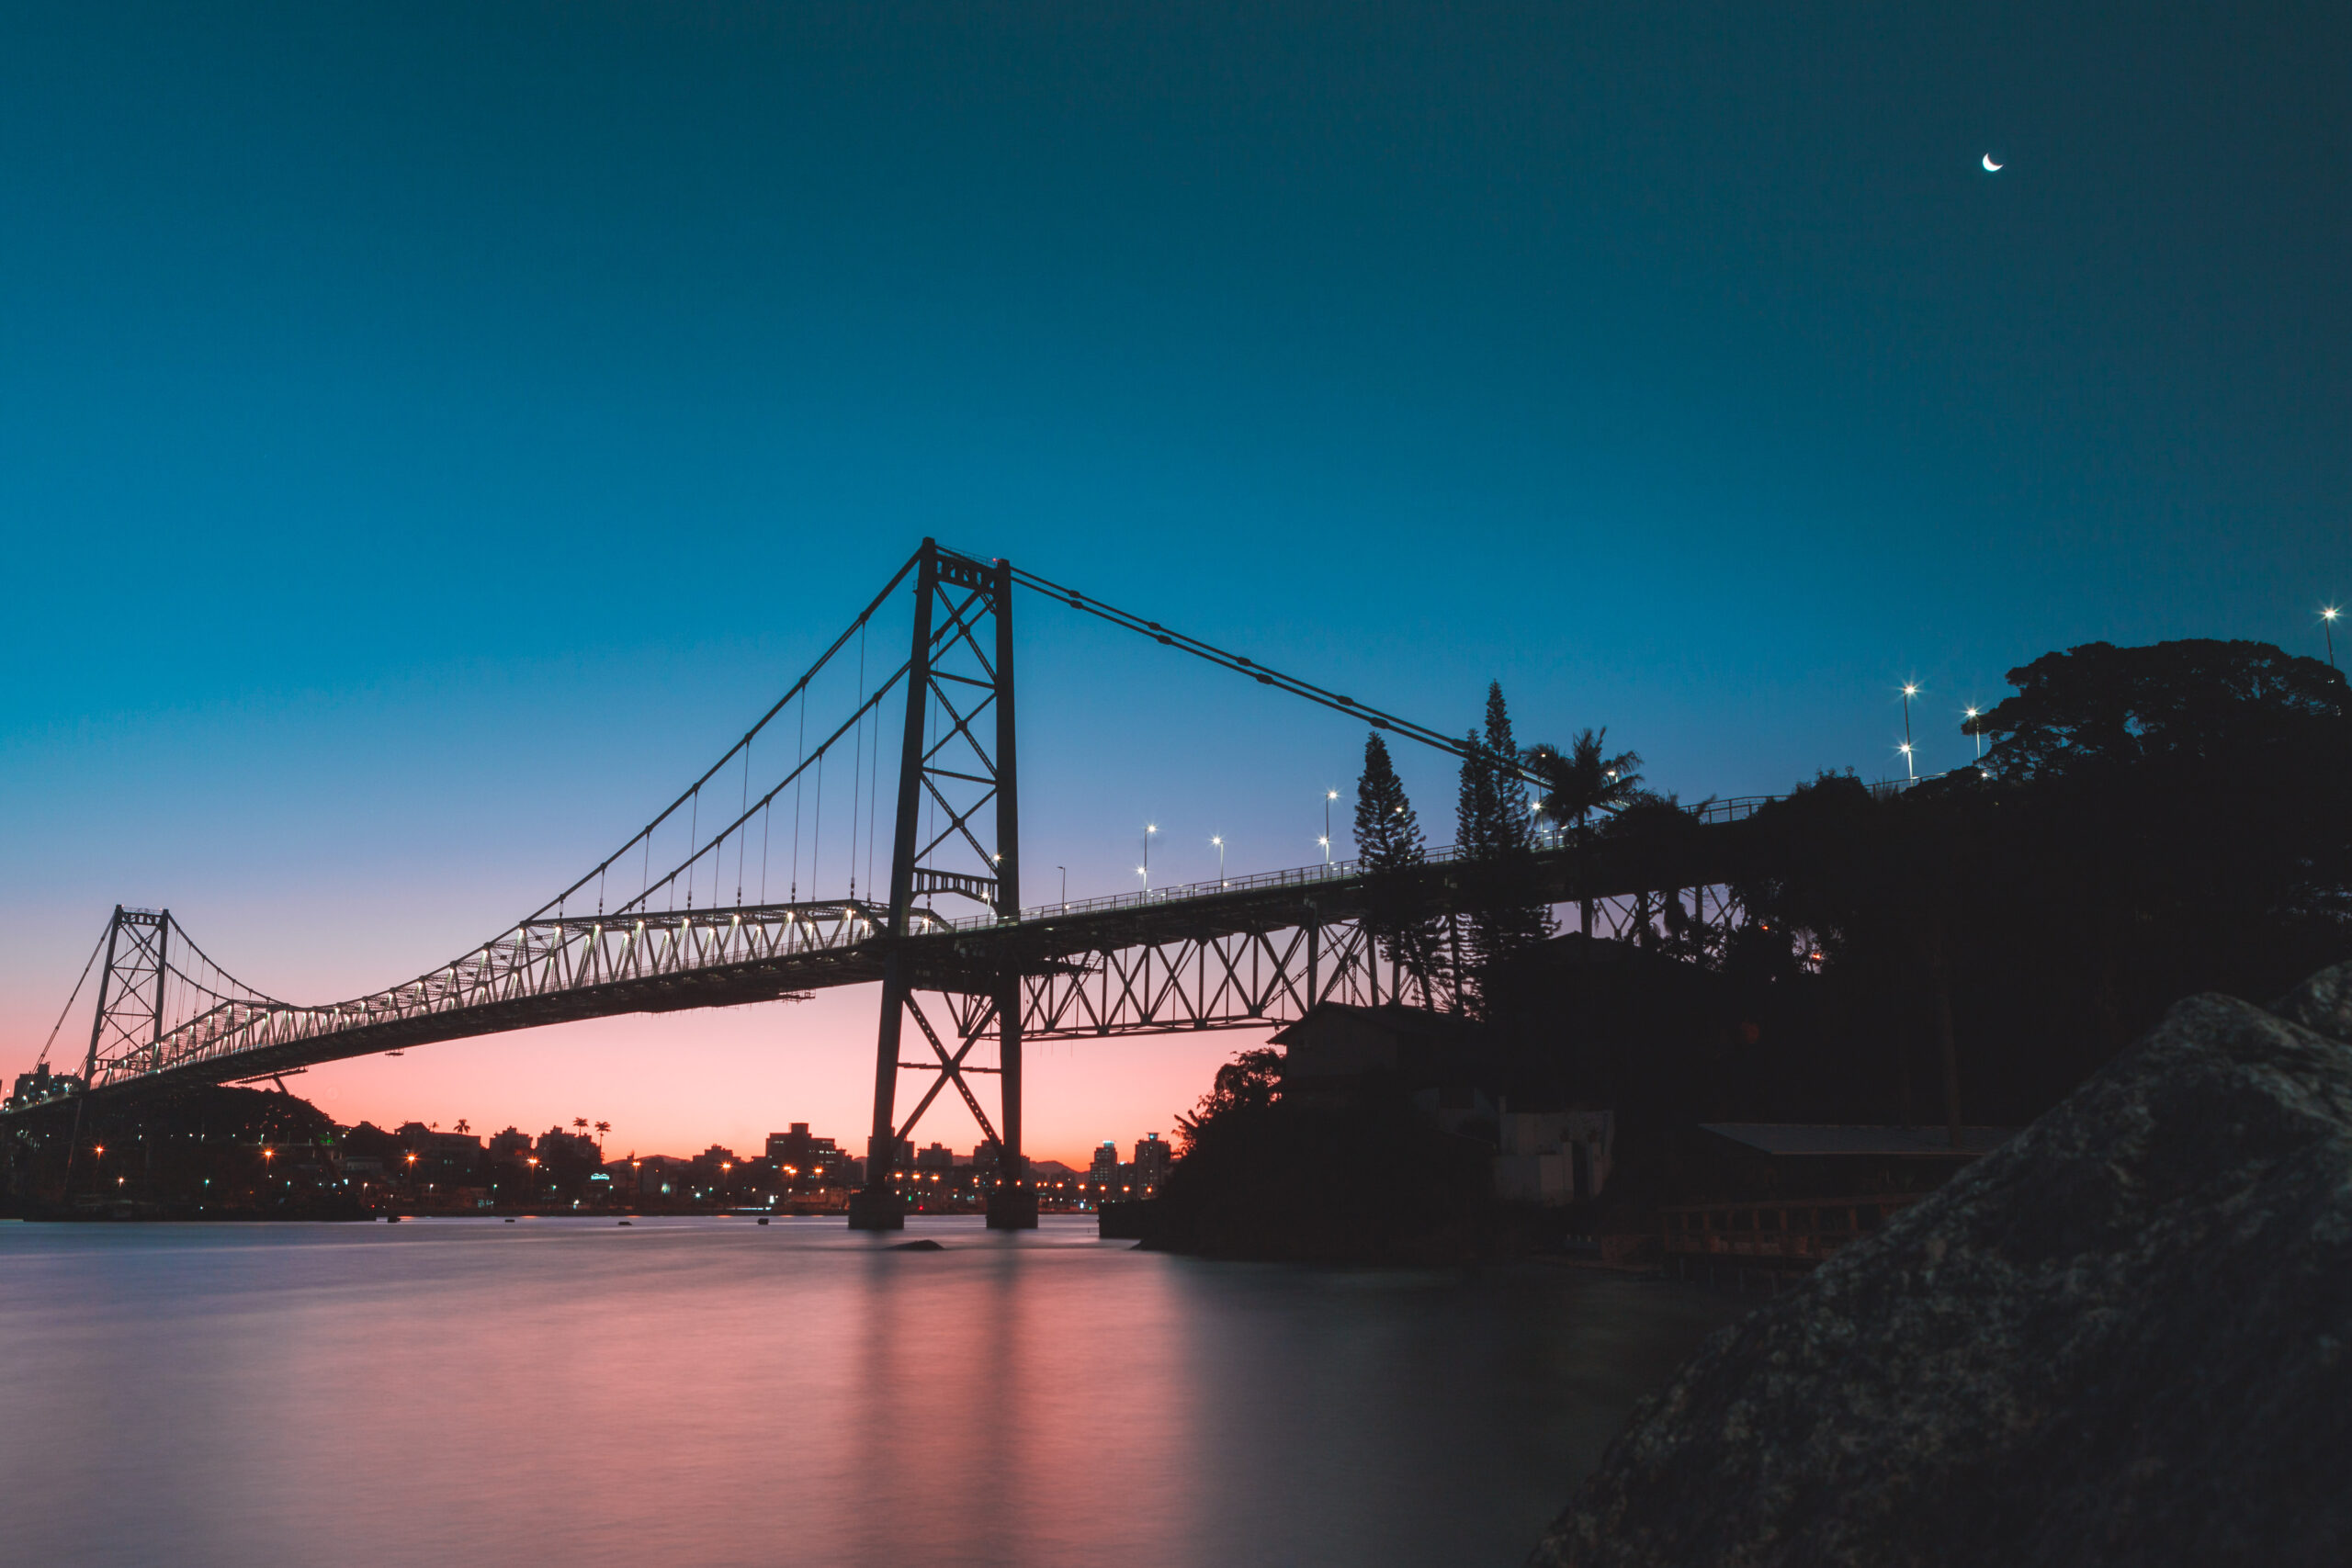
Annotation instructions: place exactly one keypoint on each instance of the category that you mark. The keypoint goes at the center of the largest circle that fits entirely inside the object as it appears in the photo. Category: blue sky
(429, 434)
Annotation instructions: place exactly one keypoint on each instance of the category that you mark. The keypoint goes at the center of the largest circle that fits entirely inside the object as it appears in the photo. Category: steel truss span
(1249, 953)
(652, 927)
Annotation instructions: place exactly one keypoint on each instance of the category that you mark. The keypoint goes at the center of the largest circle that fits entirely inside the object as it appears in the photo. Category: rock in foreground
(2123, 1338)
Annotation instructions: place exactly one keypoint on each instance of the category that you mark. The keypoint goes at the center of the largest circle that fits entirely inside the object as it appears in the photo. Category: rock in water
(2125, 1337)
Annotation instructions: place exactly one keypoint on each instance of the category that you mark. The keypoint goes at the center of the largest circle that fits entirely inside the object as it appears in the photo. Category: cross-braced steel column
(1014, 1203)
(876, 1208)
(953, 760)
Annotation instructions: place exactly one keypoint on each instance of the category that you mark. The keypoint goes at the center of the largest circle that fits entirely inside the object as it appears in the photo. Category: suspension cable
(86, 967)
(1452, 745)
(817, 758)
(798, 687)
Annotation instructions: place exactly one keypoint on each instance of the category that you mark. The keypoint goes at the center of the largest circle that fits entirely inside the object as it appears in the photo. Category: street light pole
(1978, 733)
(1145, 869)
(2327, 625)
(1328, 797)
(1910, 772)
(1219, 842)
(1065, 870)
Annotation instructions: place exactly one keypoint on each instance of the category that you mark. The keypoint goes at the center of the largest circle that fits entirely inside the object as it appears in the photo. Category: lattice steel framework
(1246, 952)
(957, 761)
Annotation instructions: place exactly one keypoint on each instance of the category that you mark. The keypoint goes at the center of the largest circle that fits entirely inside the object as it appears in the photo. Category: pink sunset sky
(677, 1083)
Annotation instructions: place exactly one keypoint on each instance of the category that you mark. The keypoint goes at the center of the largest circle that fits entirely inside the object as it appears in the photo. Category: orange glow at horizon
(677, 1083)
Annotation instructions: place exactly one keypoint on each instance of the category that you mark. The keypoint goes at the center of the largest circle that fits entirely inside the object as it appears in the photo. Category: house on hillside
(1340, 1047)
(1554, 1157)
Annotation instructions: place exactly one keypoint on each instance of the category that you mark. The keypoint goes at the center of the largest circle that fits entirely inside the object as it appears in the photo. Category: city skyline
(434, 438)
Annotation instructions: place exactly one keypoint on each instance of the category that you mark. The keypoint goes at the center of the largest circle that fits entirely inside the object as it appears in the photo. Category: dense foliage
(2146, 823)
(1363, 1179)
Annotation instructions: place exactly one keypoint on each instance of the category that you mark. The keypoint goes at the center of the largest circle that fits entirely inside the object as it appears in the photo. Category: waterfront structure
(1244, 952)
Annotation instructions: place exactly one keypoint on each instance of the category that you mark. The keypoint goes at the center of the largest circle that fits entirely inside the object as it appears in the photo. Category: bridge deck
(562, 970)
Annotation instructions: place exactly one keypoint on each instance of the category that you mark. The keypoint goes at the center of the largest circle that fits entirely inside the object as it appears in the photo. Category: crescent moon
(1989, 165)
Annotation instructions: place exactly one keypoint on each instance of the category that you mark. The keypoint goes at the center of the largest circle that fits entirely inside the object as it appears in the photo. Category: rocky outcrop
(2123, 1338)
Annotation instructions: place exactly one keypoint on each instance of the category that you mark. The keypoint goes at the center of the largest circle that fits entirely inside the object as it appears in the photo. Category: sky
(430, 434)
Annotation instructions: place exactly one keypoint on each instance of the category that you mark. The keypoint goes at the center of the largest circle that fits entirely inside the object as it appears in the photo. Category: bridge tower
(957, 763)
(128, 1028)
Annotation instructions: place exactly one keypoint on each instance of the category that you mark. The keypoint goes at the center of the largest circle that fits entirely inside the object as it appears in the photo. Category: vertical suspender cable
(744, 842)
(857, 767)
(799, 757)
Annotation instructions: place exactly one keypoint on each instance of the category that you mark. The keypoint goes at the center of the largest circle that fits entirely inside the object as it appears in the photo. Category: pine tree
(1388, 843)
(1507, 914)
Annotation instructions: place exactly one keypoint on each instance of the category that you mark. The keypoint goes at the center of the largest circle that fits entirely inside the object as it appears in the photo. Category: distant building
(41, 1084)
(938, 1159)
(556, 1145)
(803, 1159)
(661, 1176)
(1153, 1157)
(1103, 1174)
(437, 1158)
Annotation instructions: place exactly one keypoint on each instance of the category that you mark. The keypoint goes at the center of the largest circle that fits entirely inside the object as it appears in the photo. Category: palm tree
(602, 1128)
(1581, 782)
(463, 1125)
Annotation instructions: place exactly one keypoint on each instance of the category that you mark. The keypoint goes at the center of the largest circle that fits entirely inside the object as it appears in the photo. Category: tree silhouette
(1581, 782)
(2145, 823)
(1506, 914)
(1389, 846)
(1252, 1081)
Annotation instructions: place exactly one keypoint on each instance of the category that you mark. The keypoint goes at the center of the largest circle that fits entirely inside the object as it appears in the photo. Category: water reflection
(722, 1393)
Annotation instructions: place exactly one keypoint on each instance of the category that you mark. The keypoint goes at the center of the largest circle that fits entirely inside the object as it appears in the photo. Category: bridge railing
(1734, 809)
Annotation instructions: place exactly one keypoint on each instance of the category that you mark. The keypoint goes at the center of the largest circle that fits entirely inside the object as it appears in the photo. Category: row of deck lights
(1152, 829)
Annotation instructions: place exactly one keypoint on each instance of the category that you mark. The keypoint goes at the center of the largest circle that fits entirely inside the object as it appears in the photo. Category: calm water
(713, 1391)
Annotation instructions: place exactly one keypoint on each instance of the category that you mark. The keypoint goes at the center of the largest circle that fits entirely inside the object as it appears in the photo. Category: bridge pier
(1013, 1202)
(876, 1208)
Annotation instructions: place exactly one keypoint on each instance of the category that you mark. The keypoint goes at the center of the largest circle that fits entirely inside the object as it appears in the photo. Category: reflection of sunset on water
(717, 1391)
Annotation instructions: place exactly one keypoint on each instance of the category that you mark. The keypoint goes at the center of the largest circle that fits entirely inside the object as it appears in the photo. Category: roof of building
(1393, 1017)
(1814, 1138)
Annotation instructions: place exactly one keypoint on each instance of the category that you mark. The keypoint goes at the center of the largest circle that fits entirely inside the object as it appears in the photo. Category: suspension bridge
(681, 917)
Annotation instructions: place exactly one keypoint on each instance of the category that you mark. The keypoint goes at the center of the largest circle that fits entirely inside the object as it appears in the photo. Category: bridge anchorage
(1249, 951)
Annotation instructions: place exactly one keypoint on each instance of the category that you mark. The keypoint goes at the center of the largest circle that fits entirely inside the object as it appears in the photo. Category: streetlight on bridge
(1910, 690)
(1218, 840)
(2327, 627)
